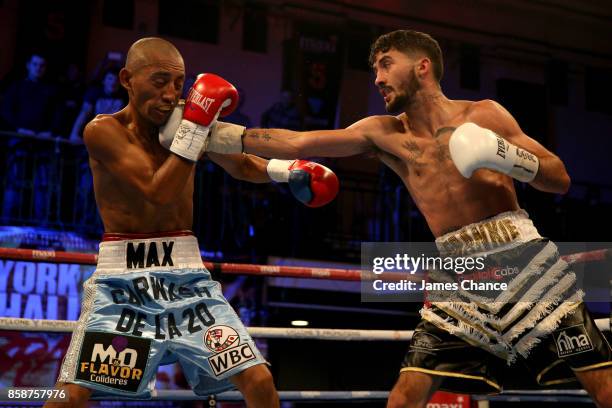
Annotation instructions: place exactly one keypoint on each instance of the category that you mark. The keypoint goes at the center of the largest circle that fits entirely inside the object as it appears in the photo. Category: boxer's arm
(287, 144)
(552, 176)
(246, 167)
(108, 145)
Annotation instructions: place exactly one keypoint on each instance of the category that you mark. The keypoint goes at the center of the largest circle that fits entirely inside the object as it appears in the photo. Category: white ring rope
(66, 326)
(356, 396)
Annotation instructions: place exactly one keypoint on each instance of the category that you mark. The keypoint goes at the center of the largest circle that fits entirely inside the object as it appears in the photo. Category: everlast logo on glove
(143, 257)
(572, 340)
(112, 360)
(200, 100)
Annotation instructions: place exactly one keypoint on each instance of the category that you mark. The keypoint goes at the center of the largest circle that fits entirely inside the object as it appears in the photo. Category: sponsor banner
(41, 290)
(448, 400)
(116, 361)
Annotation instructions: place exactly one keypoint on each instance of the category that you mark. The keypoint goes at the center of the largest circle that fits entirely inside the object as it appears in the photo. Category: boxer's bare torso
(123, 207)
(421, 157)
(422, 160)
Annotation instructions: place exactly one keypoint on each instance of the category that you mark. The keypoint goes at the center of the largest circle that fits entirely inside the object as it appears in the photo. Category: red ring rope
(247, 269)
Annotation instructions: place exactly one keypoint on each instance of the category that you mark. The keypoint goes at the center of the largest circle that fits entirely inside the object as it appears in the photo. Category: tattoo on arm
(260, 134)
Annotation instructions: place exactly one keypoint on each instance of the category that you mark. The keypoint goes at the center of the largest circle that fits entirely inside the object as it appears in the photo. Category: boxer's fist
(168, 130)
(311, 183)
(209, 97)
(473, 147)
(223, 138)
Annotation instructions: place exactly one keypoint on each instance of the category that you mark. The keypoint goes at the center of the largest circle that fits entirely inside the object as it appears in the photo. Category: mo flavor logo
(112, 360)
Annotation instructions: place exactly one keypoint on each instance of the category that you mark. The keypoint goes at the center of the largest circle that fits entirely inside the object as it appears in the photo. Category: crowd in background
(38, 106)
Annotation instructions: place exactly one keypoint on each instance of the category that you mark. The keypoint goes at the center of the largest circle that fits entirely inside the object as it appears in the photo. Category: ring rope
(66, 326)
(360, 396)
(251, 269)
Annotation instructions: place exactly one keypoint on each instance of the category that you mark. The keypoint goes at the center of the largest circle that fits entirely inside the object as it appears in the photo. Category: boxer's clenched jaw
(154, 74)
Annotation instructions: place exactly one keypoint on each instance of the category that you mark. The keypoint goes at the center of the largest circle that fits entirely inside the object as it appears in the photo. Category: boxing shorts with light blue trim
(151, 300)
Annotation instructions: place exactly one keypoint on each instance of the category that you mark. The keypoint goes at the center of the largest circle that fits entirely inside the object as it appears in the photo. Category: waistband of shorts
(122, 236)
(168, 251)
(503, 231)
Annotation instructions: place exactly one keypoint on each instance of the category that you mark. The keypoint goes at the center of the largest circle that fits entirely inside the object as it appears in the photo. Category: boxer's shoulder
(484, 111)
(102, 124)
(488, 114)
(377, 126)
(104, 130)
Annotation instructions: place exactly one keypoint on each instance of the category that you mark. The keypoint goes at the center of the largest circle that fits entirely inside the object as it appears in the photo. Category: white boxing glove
(167, 132)
(473, 147)
(223, 138)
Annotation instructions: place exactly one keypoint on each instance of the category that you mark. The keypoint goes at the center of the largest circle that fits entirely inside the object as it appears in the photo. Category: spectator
(283, 114)
(72, 89)
(107, 98)
(29, 105)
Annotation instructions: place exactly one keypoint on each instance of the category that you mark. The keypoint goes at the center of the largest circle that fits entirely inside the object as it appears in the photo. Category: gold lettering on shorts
(512, 230)
(491, 228)
(467, 240)
(502, 230)
(479, 237)
(453, 245)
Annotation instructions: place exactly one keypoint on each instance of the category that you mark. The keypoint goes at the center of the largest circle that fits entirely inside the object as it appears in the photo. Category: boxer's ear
(125, 76)
(423, 66)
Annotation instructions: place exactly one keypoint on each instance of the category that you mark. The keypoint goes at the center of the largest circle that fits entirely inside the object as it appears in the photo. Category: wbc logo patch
(219, 338)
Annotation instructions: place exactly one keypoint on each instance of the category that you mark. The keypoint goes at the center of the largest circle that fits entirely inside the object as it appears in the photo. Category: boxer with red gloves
(209, 97)
(311, 183)
(187, 134)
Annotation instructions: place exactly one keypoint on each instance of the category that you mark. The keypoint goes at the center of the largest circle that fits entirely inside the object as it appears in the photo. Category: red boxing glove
(209, 97)
(311, 183)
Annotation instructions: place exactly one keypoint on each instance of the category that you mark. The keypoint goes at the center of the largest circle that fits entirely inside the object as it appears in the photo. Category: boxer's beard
(405, 98)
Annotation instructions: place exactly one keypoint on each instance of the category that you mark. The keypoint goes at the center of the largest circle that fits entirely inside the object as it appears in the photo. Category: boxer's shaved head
(153, 76)
(147, 51)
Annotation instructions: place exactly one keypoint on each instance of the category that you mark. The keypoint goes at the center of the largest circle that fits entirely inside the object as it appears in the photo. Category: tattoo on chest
(415, 152)
(442, 150)
(443, 130)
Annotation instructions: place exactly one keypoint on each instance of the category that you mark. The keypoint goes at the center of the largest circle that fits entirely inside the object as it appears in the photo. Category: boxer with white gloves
(457, 160)
(473, 147)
